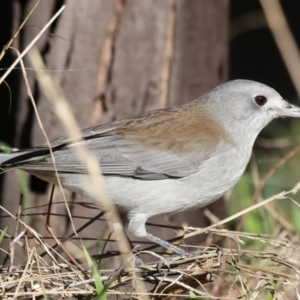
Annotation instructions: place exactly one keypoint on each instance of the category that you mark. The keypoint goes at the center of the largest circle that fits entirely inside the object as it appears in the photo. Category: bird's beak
(289, 110)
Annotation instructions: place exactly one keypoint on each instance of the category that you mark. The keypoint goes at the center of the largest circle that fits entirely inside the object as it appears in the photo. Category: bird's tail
(4, 157)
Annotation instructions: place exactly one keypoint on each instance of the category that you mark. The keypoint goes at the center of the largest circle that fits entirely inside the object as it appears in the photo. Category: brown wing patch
(178, 130)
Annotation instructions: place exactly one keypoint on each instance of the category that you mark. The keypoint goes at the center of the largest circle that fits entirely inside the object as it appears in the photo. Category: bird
(167, 160)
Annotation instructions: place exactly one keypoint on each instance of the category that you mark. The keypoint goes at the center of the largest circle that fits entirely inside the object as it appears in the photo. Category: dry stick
(263, 182)
(32, 43)
(60, 245)
(26, 246)
(64, 249)
(279, 164)
(50, 205)
(28, 252)
(84, 204)
(245, 211)
(138, 295)
(45, 135)
(28, 228)
(94, 183)
(10, 97)
(39, 272)
(69, 265)
(15, 241)
(90, 221)
(284, 39)
(13, 245)
(105, 244)
(6, 47)
(184, 286)
(23, 277)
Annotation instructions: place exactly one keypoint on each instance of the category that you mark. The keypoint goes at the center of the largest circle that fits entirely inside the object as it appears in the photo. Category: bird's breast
(218, 174)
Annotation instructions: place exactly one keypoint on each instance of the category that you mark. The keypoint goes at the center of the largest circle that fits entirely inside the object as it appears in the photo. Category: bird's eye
(260, 100)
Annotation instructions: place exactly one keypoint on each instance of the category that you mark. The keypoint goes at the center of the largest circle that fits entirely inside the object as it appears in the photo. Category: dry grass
(271, 267)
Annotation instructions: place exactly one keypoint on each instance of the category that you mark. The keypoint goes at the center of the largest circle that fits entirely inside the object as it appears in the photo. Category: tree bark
(117, 59)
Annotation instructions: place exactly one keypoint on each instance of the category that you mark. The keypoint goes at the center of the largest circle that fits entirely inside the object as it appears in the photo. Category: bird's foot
(199, 254)
(138, 261)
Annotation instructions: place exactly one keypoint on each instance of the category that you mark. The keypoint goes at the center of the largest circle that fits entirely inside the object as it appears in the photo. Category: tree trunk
(117, 59)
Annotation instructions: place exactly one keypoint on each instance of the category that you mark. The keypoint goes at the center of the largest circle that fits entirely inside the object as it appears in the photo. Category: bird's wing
(133, 147)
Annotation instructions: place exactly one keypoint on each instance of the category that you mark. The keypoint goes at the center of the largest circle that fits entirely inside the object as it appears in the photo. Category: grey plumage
(169, 160)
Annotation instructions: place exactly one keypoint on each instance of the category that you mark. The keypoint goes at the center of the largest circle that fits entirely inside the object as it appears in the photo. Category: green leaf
(98, 282)
(21, 175)
(5, 148)
(23, 185)
(192, 295)
(2, 234)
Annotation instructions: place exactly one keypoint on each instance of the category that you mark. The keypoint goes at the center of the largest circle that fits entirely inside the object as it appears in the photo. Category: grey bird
(167, 160)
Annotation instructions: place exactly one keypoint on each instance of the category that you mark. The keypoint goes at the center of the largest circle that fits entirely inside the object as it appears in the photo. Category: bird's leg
(165, 244)
(137, 227)
(138, 261)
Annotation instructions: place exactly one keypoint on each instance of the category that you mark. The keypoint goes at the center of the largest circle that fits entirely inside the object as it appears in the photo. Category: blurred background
(119, 58)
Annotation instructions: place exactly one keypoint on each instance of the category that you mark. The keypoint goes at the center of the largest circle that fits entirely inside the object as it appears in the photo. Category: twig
(284, 39)
(6, 47)
(13, 243)
(60, 245)
(264, 181)
(32, 43)
(45, 135)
